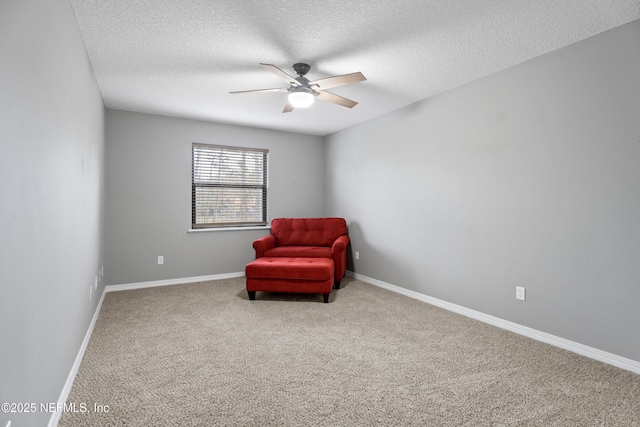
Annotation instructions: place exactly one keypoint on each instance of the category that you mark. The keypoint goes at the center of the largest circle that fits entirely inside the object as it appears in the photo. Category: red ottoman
(279, 274)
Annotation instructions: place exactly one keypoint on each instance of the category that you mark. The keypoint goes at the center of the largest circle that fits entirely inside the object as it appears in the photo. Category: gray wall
(527, 177)
(51, 200)
(149, 195)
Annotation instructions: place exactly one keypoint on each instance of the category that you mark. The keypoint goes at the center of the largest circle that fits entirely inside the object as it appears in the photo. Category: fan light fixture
(300, 97)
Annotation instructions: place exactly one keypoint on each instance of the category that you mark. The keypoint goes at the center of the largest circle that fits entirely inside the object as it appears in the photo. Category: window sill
(204, 230)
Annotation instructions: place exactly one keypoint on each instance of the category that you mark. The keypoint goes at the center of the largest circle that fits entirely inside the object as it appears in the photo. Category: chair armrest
(340, 244)
(339, 255)
(263, 244)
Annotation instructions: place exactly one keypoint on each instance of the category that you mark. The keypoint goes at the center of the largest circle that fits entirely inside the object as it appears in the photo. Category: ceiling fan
(302, 92)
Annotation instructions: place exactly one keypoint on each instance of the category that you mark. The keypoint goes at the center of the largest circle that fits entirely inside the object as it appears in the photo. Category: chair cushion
(299, 252)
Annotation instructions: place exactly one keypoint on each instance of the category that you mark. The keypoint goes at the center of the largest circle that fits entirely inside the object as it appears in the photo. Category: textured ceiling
(182, 58)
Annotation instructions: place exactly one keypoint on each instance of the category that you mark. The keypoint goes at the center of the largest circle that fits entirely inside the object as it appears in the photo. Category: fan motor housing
(301, 68)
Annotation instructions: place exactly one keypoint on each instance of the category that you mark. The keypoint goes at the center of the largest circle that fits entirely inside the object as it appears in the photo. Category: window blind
(229, 186)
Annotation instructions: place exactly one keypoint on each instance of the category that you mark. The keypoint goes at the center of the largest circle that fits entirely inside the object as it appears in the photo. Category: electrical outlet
(357, 255)
(95, 283)
(520, 293)
(160, 260)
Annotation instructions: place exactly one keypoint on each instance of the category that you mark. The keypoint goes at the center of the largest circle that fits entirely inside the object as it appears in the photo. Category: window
(228, 186)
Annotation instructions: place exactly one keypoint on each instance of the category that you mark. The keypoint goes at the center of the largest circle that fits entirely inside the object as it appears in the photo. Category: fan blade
(335, 81)
(284, 76)
(262, 90)
(287, 107)
(335, 99)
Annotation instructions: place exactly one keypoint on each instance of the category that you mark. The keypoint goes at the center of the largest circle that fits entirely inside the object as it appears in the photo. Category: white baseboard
(583, 350)
(169, 282)
(55, 416)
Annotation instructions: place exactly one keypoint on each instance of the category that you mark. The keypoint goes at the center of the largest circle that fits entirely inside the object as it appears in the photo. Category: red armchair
(307, 238)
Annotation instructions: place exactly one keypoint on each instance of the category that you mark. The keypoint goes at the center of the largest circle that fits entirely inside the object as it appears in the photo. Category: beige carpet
(204, 355)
